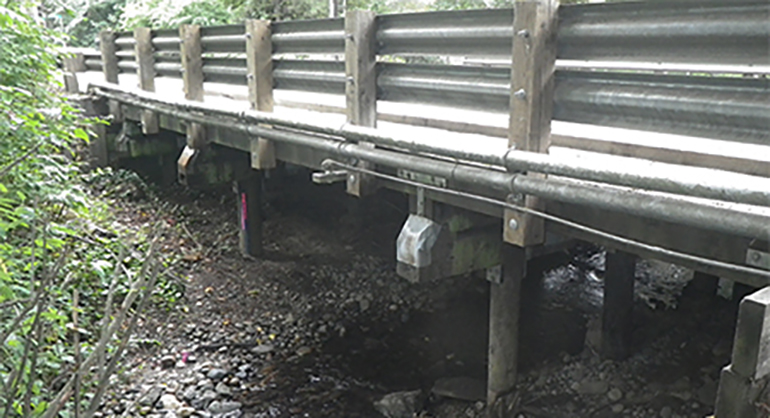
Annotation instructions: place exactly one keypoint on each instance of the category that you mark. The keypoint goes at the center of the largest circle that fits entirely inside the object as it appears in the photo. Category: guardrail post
(192, 78)
(360, 86)
(146, 75)
(617, 311)
(534, 55)
(74, 62)
(110, 68)
(743, 381)
(259, 62)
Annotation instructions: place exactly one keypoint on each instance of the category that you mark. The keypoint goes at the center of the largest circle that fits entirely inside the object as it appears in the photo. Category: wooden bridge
(640, 126)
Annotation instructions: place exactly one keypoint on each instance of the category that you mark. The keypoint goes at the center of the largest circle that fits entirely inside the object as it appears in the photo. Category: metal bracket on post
(259, 63)
(534, 56)
(361, 87)
(329, 177)
(108, 51)
(420, 200)
(146, 75)
(758, 255)
(512, 219)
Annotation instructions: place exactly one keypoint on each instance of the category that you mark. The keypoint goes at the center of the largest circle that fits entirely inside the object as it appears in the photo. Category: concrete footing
(743, 383)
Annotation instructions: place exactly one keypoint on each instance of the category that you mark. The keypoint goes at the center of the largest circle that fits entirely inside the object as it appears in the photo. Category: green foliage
(458, 4)
(82, 20)
(54, 236)
(172, 13)
(281, 10)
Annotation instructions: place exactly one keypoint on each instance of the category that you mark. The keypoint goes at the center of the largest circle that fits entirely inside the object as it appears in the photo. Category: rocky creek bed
(321, 326)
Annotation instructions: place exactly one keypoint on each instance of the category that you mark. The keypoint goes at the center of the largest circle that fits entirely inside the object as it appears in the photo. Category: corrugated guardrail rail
(695, 33)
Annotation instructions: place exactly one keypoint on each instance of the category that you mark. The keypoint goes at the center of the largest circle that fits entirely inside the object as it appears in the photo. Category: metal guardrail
(735, 109)
(224, 70)
(471, 32)
(476, 88)
(223, 39)
(680, 31)
(323, 36)
(311, 76)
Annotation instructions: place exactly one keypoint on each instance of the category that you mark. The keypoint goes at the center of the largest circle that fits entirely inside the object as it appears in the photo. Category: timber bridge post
(531, 98)
(496, 200)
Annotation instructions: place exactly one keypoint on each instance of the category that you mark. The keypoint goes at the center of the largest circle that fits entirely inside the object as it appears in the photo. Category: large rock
(150, 398)
(399, 404)
(591, 387)
(222, 389)
(170, 402)
(190, 393)
(262, 349)
(464, 388)
(223, 407)
(216, 374)
(167, 362)
(204, 399)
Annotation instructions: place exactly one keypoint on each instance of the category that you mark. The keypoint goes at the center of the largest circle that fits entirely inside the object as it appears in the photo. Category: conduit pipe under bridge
(483, 177)
(677, 179)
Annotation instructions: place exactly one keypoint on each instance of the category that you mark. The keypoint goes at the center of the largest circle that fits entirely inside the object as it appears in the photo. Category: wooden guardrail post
(259, 62)
(192, 78)
(146, 75)
(74, 62)
(745, 378)
(361, 87)
(110, 68)
(534, 54)
(532, 83)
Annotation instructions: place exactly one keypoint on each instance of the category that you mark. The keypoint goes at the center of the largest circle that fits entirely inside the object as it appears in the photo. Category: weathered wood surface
(361, 86)
(532, 84)
(259, 64)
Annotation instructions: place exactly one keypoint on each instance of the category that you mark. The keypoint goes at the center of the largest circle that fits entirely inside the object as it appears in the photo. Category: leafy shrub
(55, 239)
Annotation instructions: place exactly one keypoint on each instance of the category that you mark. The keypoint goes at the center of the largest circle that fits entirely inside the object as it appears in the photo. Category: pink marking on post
(244, 213)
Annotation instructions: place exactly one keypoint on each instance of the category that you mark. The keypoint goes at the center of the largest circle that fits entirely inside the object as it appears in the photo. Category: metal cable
(570, 224)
